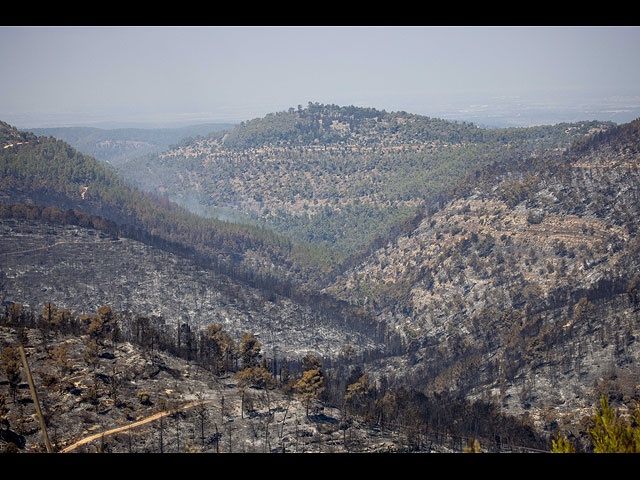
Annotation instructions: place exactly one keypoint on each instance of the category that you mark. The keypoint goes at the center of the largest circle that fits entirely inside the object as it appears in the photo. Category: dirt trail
(151, 418)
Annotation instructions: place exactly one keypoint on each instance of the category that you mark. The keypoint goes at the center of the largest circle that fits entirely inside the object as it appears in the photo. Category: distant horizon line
(497, 113)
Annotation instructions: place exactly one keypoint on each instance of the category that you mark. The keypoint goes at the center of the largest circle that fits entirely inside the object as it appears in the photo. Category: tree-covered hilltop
(333, 176)
(48, 171)
(333, 124)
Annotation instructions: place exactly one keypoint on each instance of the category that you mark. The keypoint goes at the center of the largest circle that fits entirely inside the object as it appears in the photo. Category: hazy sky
(239, 73)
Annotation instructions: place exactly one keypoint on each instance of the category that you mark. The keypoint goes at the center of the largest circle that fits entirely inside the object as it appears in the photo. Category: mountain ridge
(332, 176)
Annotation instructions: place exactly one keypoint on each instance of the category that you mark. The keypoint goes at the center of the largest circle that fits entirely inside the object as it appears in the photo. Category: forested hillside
(49, 172)
(333, 176)
(522, 283)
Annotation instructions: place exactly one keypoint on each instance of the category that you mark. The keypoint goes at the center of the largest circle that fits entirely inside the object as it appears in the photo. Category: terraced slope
(523, 285)
(332, 176)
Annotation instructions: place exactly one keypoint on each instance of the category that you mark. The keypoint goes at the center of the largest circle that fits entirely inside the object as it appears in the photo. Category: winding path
(113, 431)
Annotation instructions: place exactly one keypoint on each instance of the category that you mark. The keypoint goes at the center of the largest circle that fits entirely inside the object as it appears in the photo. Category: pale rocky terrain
(520, 289)
(79, 404)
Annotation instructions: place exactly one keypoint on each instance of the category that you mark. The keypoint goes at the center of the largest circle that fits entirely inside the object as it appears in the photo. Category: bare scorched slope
(524, 285)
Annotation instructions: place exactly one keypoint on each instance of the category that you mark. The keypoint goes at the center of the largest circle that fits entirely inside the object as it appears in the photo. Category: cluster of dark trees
(340, 382)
